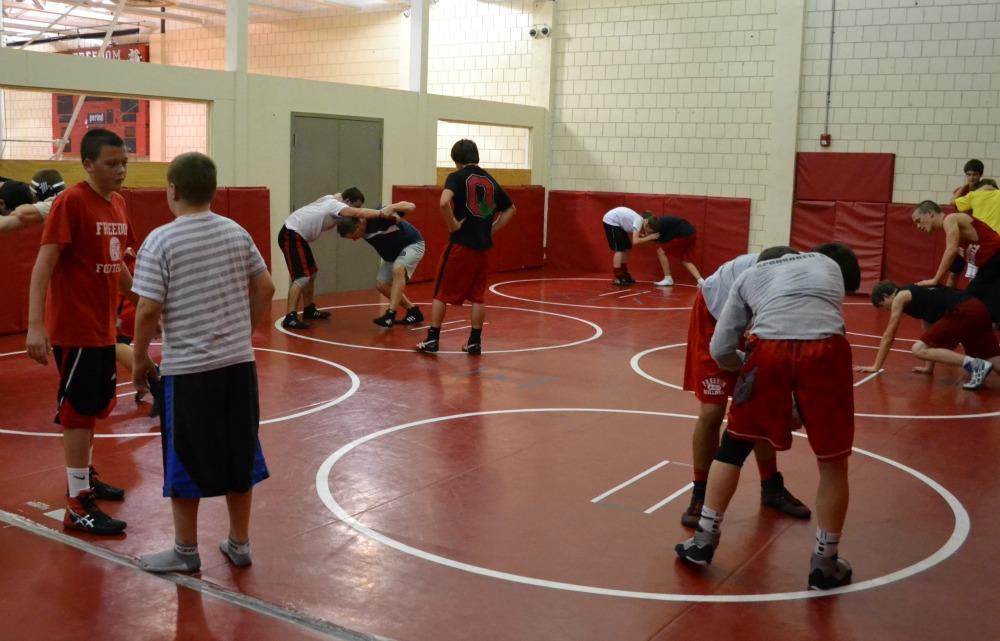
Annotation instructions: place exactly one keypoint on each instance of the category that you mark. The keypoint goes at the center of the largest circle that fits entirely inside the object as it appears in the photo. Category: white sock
(78, 479)
(826, 543)
(710, 520)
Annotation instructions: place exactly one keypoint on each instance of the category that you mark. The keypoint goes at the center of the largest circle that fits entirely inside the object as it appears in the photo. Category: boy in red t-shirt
(80, 267)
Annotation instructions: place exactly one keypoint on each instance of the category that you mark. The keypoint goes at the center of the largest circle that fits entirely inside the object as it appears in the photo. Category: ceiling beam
(90, 4)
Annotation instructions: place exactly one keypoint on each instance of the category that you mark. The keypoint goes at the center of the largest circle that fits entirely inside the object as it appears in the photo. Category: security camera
(539, 31)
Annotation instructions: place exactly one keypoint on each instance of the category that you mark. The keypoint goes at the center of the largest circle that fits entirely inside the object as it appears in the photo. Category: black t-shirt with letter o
(478, 198)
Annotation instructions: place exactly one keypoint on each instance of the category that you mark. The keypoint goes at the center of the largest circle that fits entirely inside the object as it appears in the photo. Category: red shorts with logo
(682, 248)
(461, 275)
(702, 375)
(817, 373)
(968, 323)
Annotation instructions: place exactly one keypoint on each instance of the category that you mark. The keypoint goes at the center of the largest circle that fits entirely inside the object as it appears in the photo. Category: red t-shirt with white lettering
(81, 307)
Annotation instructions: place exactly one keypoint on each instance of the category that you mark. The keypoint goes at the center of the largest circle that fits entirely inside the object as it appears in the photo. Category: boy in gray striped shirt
(192, 272)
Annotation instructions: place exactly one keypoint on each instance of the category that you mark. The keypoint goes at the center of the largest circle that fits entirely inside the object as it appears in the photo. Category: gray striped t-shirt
(199, 268)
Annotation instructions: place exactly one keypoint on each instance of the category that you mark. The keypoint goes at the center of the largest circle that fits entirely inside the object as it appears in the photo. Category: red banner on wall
(127, 117)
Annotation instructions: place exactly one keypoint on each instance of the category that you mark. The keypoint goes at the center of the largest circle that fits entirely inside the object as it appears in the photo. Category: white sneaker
(666, 282)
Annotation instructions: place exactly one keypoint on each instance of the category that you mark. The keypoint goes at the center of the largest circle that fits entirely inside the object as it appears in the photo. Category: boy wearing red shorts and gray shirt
(713, 386)
(80, 266)
(796, 347)
(473, 206)
(190, 272)
(676, 237)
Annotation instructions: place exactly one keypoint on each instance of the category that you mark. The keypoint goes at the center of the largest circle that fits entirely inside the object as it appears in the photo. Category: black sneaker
(413, 316)
(314, 314)
(692, 514)
(386, 320)
(628, 279)
(83, 514)
(472, 349)
(826, 573)
(292, 322)
(700, 548)
(428, 346)
(774, 495)
(102, 491)
(620, 282)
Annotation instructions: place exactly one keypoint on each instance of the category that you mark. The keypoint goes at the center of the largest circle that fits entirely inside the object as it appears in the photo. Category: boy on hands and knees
(304, 226)
(190, 272)
(400, 247)
(950, 318)
(473, 206)
(713, 386)
(796, 347)
(80, 266)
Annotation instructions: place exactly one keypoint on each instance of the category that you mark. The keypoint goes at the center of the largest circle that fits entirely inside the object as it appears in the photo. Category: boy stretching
(796, 348)
(712, 386)
(400, 248)
(951, 318)
(190, 272)
(473, 206)
(676, 237)
(623, 229)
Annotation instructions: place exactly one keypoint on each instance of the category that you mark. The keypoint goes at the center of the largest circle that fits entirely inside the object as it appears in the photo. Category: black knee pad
(733, 451)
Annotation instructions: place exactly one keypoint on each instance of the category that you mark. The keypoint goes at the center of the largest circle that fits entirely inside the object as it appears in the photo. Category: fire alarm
(824, 140)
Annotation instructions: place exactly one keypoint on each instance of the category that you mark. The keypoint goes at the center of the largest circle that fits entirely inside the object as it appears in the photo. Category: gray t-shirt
(715, 291)
(199, 268)
(797, 297)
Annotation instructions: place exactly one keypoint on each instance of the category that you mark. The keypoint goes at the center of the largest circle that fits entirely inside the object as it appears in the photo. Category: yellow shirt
(985, 205)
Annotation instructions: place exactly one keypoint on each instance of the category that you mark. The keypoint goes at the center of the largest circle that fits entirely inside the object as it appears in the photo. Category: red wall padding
(147, 210)
(517, 246)
(862, 227)
(859, 225)
(727, 226)
(844, 176)
(576, 237)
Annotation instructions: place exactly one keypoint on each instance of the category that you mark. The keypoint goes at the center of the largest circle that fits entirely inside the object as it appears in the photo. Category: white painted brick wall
(499, 147)
(480, 49)
(920, 80)
(656, 96)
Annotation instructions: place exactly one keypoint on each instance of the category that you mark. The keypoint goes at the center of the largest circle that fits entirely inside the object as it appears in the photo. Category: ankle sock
(826, 543)
(180, 558)
(78, 480)
(238, 553)
(711, 520)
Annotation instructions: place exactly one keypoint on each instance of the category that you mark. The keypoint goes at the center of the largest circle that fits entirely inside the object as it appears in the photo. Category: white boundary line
(203, 586)
(670, 498)
(908, 340)
(868, 378)
(13, 353)
(598, 332)
(420, 327)
(640, 475)
(954, 542)
(620, 291)
(634, 363)
(493, 288)
(312, 409)
(645, 291)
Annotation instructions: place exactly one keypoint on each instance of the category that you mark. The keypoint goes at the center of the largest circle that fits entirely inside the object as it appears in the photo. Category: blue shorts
(209, 429)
